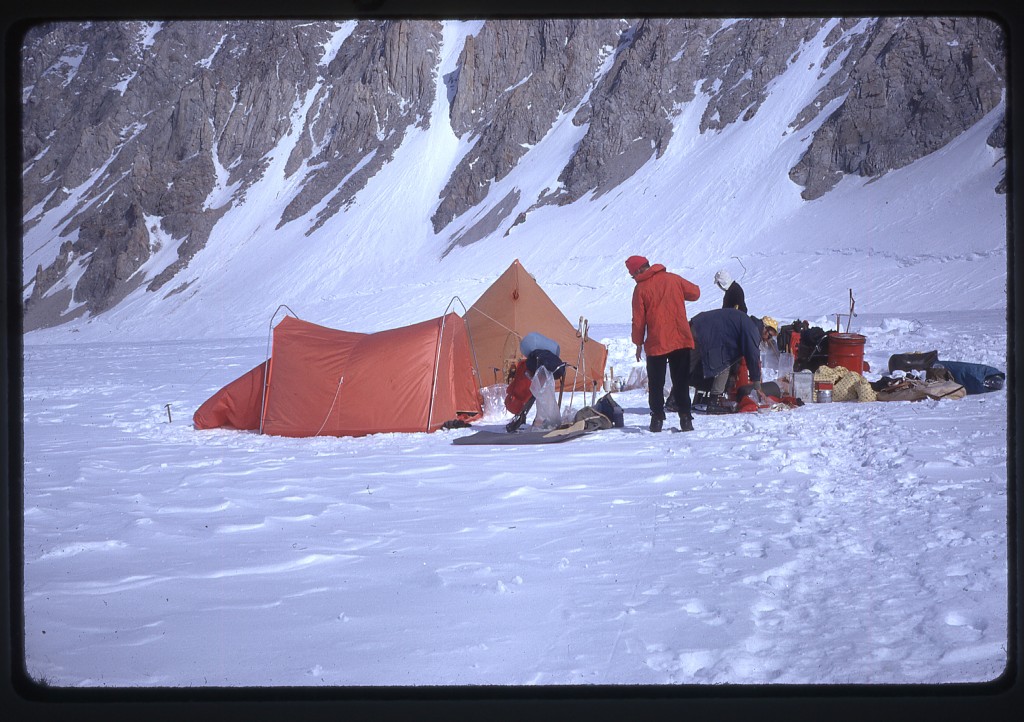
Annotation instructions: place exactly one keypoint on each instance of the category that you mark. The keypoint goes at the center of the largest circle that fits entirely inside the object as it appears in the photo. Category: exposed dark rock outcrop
(150, 132)
(912, 86)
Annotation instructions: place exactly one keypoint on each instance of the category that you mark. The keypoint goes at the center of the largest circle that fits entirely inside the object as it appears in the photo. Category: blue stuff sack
(976, 378)
(534, 341)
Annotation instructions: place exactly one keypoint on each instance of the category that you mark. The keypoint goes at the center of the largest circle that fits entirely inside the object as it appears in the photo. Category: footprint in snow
(754, 550)
(958, 619)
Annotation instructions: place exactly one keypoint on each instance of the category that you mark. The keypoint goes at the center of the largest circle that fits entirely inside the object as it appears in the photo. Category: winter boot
(685, 423)
(513, 425)
(656, 422)
(717, 404)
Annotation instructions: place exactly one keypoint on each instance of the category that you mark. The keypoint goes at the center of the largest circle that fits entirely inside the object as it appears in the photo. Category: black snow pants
(678, 365)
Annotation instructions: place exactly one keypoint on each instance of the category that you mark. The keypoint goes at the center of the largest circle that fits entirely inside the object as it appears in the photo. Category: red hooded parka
(659, 311)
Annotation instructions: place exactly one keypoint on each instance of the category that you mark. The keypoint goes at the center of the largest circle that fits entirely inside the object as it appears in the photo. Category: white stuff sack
(542, 386)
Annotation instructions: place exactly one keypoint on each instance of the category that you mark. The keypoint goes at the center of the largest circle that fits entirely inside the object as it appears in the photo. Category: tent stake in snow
(168, 407)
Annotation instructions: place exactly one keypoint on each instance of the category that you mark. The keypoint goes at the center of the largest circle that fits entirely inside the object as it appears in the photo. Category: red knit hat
(635, 263)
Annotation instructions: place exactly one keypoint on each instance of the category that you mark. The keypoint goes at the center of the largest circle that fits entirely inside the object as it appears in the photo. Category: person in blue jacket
(722, 338)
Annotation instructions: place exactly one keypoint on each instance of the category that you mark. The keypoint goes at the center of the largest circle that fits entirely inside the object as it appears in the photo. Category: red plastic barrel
(847, 350)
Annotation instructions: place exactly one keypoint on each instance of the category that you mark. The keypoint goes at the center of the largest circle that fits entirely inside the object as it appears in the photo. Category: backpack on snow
(543, 357)
(785, 338)
(813, 349)
(607, 406)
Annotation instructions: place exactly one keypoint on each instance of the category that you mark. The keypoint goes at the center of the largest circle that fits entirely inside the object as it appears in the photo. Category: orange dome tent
(320, 381)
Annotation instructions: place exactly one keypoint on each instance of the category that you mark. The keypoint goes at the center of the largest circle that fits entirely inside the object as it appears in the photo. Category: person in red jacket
(660, 328)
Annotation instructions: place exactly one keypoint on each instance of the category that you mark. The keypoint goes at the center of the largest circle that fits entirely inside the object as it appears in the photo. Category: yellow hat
(770, 323)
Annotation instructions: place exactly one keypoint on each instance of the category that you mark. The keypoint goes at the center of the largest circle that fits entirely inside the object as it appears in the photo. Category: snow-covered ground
(842, 543)
(853, 543)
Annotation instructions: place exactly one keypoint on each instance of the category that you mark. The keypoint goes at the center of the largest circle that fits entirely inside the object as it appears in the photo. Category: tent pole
(469, 333)
(266, 366)
(437, 359)
(437, 366)
(263, 400)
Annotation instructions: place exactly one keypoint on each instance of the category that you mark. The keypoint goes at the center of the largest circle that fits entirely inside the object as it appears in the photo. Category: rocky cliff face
(148, 127)
(913, 87)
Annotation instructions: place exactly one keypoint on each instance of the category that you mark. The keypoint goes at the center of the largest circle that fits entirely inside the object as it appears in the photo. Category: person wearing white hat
(734, 296)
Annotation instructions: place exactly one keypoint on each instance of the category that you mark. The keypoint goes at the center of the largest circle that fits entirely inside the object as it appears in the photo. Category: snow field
(860, 543)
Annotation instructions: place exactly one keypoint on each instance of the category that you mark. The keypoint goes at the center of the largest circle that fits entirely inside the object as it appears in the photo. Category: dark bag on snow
(813, 350)
(542, 357)
(913, 361)
(609, 407)
(976, 378)
(785, 338)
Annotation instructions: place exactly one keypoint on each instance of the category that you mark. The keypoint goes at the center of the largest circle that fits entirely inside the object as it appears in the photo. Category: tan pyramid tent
(516, 305)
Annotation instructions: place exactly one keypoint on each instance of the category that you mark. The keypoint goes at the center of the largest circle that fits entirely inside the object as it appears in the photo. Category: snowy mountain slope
(706, 199)
(847, 543)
